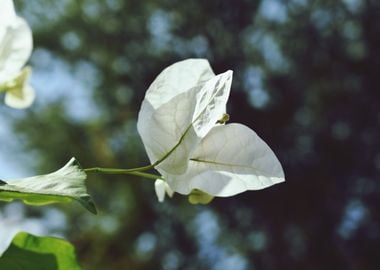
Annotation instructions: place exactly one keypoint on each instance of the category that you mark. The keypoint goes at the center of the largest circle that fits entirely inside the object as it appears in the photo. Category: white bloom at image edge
(15, 49)
(178, 124)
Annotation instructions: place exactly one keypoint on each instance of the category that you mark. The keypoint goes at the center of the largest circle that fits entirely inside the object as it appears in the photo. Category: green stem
(117, 170)
(123, 171)
(174, 148)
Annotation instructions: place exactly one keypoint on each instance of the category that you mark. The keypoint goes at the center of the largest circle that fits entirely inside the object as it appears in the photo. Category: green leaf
(62, 186)
(29, 252)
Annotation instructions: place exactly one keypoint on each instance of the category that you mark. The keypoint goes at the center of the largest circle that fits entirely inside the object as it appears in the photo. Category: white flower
(178, 123)
(15, 48)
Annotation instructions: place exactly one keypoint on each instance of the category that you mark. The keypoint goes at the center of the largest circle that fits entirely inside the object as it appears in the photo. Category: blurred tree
(305, 79)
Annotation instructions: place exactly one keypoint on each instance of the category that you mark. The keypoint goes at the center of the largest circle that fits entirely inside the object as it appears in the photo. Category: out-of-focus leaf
(29, 252)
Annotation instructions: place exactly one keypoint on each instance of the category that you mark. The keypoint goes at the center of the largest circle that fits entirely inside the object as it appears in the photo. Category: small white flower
(181, 123)
(162, 188)
(15, 49)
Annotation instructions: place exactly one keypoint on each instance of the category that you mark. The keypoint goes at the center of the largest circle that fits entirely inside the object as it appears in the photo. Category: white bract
(179, 126)
(15, 48)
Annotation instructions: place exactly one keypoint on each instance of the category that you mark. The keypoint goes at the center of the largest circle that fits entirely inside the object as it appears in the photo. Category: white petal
(176, 79)
(168, 190)
(169, 104)
(7, 12)
(167, 110)
(160, 188)
(15, 49)
(184, 119)
(211, 102)
(230, 159)
(210, 105)
(162, 129)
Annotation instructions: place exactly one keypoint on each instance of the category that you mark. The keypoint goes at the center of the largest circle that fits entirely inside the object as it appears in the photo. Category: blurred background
(305, 79)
